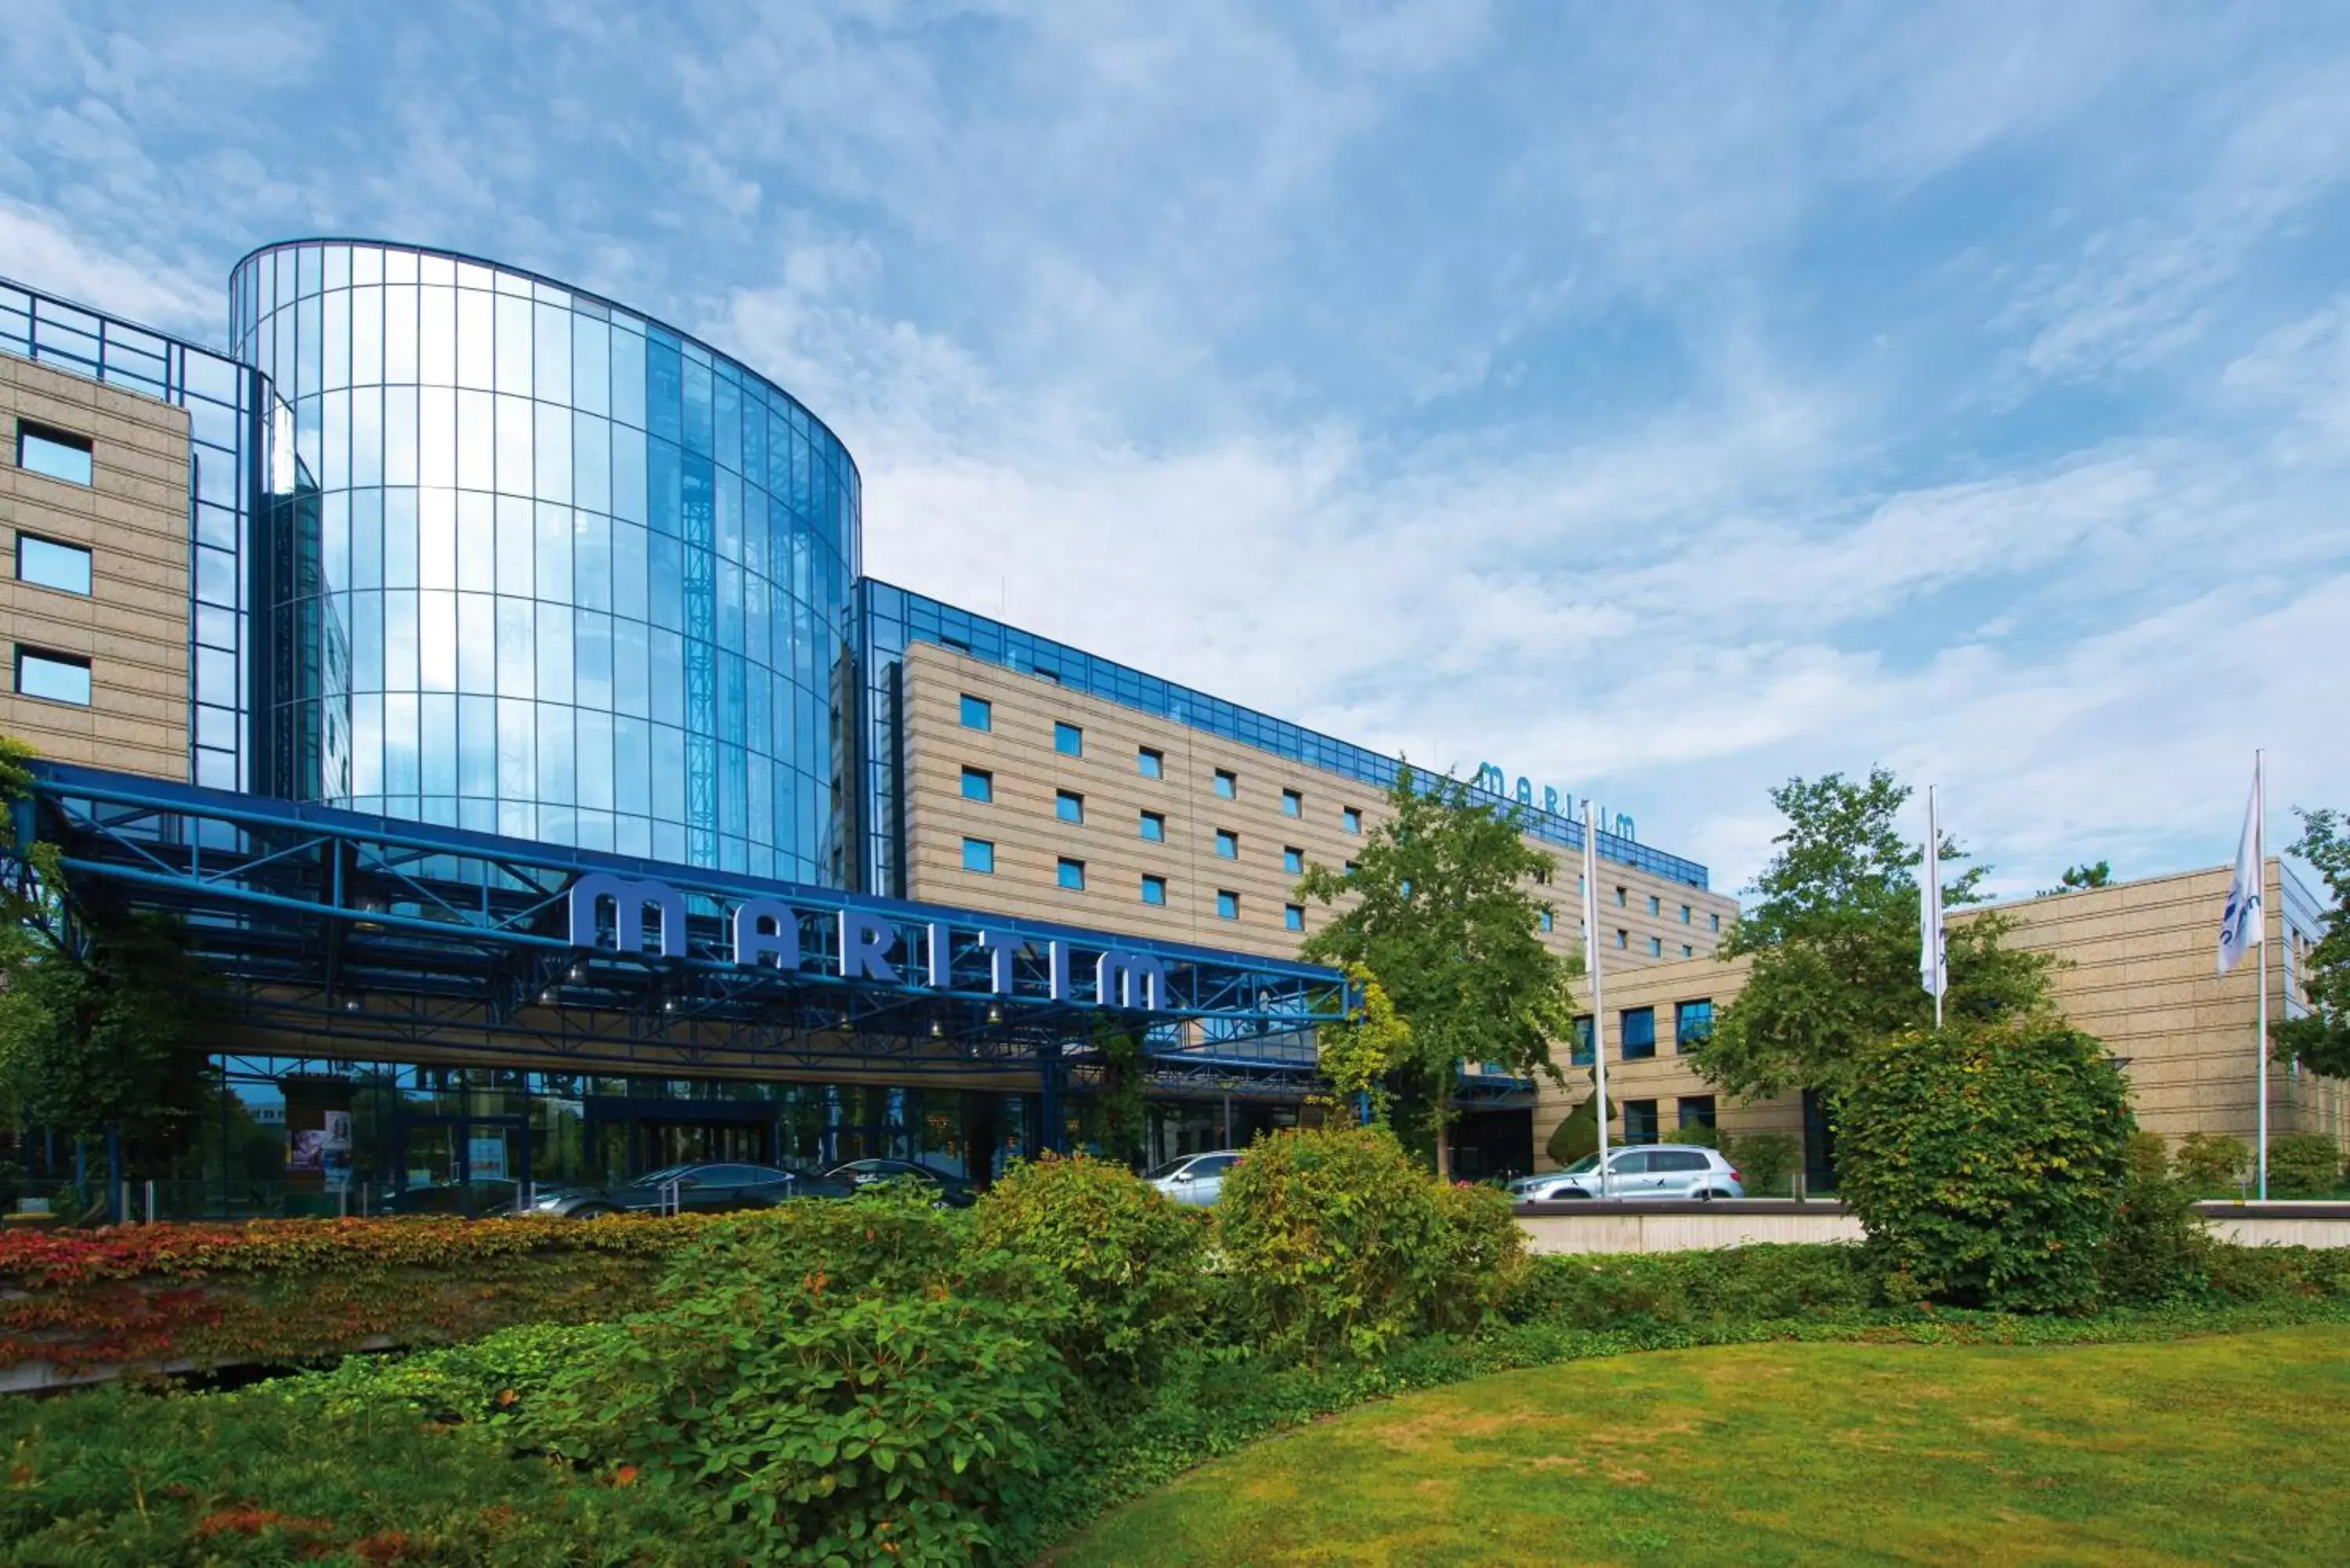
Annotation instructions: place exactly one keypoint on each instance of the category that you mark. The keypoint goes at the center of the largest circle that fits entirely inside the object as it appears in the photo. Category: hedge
(290, 1290)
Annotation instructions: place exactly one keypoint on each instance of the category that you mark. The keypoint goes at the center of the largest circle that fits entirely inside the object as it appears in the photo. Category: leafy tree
(1833, 936)
(1577, 1133)
(2319, 1040)
(1357, 1056)
(1436, 908)
(2080, 878)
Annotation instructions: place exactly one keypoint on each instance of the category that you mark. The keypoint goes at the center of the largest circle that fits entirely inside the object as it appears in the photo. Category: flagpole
(1591, 962)
(1934, 882)
(2261, 882)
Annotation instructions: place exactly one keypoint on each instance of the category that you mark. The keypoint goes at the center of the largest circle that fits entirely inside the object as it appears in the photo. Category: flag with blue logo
(2243, 921)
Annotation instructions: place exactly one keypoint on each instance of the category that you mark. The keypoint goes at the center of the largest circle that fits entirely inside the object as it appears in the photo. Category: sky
(1657, 401)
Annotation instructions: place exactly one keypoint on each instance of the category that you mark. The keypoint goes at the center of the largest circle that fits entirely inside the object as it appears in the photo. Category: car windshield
(1589, 1162)
(662, 1176)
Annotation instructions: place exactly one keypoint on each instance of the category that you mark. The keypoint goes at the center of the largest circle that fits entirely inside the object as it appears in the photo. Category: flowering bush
(295, 1290)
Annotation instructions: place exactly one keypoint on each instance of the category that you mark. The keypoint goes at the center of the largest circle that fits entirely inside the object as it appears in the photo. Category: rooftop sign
(1493, 779)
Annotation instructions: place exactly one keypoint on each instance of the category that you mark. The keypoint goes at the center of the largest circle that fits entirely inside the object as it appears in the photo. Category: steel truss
(338, 934)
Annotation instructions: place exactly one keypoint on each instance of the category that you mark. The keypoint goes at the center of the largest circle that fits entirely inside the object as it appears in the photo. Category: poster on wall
(335, 1150)
(486, 1158)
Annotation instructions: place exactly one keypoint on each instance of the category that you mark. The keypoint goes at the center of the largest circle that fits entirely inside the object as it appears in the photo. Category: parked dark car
(953, 1190)
(480, 1199)
(697, 1189)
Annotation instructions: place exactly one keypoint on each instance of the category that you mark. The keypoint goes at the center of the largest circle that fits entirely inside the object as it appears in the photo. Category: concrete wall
(133, 626)
(2137, 970)
(1030, 839)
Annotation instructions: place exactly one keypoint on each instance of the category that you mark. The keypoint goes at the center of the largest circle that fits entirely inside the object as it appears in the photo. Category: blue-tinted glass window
(1068, 740)
(1546, 920)
(1292, 861)
(1582, 1056)
(978, 713)
(978, 784)
(1695, 1110)
(1688, 952)
(1351, 819)
(1150, 763)
(1692, 1024)
(1623, 938)
(1228, 784)
(49, 565)
(978, 855)
(1639, 1121)
(1623, 897)
(1154, 889)
(1291, 803)
(52, 677)
(1717, 921)
(1228, 904)
(1685, 914)
(1068, 805)
(57, 454)
(1072, 874)
(1228, 843)
(1656, 905)
(1655, 946)
(1638, 1026)
(1293, 916)
(1154, 827)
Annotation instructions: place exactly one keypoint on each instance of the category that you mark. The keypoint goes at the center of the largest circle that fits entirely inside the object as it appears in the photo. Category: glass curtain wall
(555, 570)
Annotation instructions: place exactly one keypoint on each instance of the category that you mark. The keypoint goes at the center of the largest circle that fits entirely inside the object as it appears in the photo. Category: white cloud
(40, 249)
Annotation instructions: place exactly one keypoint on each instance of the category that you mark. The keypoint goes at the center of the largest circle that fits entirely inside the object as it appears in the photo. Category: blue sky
(1656, 400)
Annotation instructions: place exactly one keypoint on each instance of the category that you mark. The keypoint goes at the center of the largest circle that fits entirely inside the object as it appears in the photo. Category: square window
(1150, 763)
(978, 784)
(979, 855)
(978, 713)
(1638, 1026)
(1068, 805)
(1154, 827)
(1547, 921)
(1688, 952)
(1350, 819)
(1154, 889)
(1640, 1121)
(1292, 861)
(1291, 803)
(1228, 904)
(60, 454)
(45, 562)
(52, 677)
(1696, 1110)
(1293, 916)
(1228, 784)
(1692, 1024)
(1068, 740)
(1072, 874)
(1228, 843)
(1655, 946)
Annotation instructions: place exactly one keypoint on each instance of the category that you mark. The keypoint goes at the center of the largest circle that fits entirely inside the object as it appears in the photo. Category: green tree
(2080, 878)
(1438, 910)
(1833, 933)
(2319, 1040)
(1357, 1056)
(1577, 1133)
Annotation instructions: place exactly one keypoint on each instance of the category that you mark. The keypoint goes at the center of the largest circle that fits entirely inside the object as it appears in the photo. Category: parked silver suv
(1683, 1170)
(1197, 1179)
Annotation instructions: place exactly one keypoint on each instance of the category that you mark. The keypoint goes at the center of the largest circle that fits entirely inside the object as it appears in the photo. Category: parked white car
(1196, 1179)
(1682, 1170)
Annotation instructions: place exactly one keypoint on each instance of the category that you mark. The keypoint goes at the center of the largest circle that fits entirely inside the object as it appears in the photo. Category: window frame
(986, 849)
(1068, 740)
(1293, 802)
(984, 779)
(984, 707)
(1149, 820)
(88, 563)
(1293, 916)
(1350, 817)
(1069, 874)
(1625, 1044)
(1228, 904)
(35, 654)
(1154, 883)
(1228, 843)
(1292, 861)
(32, 432)
(1227, 784)
(1069, 807)
(1150, 762)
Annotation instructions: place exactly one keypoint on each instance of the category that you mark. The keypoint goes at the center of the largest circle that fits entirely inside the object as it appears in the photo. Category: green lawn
(2226, 1448)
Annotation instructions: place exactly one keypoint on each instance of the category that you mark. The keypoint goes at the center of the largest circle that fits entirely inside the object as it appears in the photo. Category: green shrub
(2155, 1251)
(850, 1382)
(1765, 1161)
(1129, 1257)
(1483, 1253)
(1986, 1161)
(2303, 1165)
(2210, 1162)
(114, 1477)
(1701, 1135)
(1738, 1285)
(1334, 1242)
(1577, 1133)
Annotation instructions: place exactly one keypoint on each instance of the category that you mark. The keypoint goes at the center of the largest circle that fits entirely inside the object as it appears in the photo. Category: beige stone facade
(132, 625)
(2137, 970)
(1030, 838)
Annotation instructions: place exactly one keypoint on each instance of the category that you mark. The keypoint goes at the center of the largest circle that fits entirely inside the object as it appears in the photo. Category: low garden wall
(78, 1306)
(1590, 1227)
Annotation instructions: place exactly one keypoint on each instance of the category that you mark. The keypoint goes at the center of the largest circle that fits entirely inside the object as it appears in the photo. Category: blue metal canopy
(336, 933)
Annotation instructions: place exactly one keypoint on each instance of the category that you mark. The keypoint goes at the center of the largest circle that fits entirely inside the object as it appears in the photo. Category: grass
(2218, 1449)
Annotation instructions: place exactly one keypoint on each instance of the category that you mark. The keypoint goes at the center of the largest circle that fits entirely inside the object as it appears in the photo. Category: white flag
(1933, 952)
(2243, 921)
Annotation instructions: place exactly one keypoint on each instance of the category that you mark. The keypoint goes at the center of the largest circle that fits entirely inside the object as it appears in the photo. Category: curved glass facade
(551, 569)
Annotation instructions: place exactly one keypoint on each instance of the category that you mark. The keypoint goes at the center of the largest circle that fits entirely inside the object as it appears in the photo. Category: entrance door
(702, 1143)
